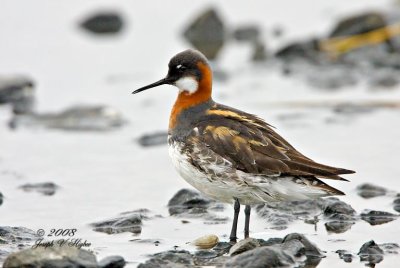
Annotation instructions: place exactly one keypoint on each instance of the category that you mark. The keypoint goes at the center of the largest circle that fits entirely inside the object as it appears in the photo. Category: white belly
(250, 189)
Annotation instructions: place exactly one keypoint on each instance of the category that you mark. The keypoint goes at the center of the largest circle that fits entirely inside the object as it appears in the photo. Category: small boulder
(396, 203)
(368, 190)
(247, 33)
(188, 202)
(260, 257)
(104, 23)
(55, 256)
(310, 248)
(1, 198)
(19, 92)
(345, 255)
(370, 252)
(169, 259)
(207, 33)
(112, 262)
(76, 118)
(153, 139)
(243, 246)
(45, 188)
(335, 206)
(375, 217)
(126, 222)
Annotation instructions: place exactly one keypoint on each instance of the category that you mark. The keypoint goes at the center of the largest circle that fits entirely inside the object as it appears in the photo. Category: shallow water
(103, 174)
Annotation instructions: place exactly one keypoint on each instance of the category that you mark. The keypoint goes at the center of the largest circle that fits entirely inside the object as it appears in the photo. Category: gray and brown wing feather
(252, 146)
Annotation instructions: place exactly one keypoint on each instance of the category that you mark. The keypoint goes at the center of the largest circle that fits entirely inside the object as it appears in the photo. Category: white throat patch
(188, 84)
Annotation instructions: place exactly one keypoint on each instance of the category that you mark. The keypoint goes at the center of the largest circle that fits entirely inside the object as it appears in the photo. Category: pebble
(375, 217)
(104, 23)
(368, 190)
(112, 262)
(126, 222)
(370, 252)
(153, 139)
(206, 242)
(45, 188)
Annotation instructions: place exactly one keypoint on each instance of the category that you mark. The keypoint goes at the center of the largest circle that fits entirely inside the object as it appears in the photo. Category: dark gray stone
(335, 206)
(260, 258)
(169, 259)
(1, 198)
(375, 217)
(247, 33)
(187, 202)
(310, 248)
(370, 252)
(390, 248)
(126, 222)
(396, 204)
(294, 248)
(270, 241)
(345, 255)
(222, 248)
(299, 50)
(154, 139)
(207, 33)
(243, 246)
(77, 118)
(112, 262)
(368, 190)
(104, 23)
(358, 24)
(19, 92)
(45, 188)
(54, 256)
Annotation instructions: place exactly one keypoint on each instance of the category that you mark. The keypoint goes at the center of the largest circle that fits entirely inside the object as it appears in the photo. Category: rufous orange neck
(186, 100)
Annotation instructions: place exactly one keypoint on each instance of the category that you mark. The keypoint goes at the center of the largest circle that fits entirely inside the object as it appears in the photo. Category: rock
(243, 246)
(345, 255)
(374, 217)
(55, 256)
(207, 33)
(259, 258)
(188, 202)
(154, 139)
(368, 190)
(247, 33)
(335, 206)
(112, 262)
(310, 248)
(19, 92)
(222, 248)
(104, 23)
(1, 198)
(206, 242)
(126, 222)
(358, 24)
(339, 224)
(396, 204)
(294, 248)
(169, 259)
(208, 258)
(13, 238)
(77, 118)
(390, 248)
(270, 241)
(370, 252)
(299, 50)
(45, 188)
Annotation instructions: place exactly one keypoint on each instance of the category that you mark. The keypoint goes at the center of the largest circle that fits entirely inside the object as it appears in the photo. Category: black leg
(247, 211)
(233, 237)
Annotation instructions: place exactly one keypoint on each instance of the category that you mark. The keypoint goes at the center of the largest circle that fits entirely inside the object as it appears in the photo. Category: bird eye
(180, 67)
